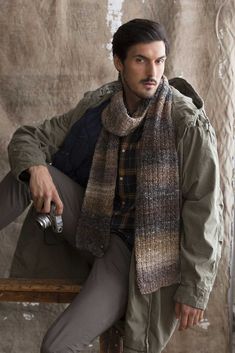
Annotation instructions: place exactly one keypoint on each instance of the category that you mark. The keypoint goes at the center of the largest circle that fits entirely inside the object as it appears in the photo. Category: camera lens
(43, 221)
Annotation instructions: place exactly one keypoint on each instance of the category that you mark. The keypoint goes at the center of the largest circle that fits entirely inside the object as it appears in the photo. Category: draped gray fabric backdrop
(52, 51)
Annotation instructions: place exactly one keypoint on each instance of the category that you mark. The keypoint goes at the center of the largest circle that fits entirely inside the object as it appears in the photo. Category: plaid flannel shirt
(123, 219)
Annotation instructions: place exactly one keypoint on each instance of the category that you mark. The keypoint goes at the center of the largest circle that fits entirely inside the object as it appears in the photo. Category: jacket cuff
(19, 170)
(195, 297)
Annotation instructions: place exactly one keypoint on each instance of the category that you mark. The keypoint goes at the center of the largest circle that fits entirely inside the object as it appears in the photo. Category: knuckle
(185, 311)
(191, 313)
(47, 194)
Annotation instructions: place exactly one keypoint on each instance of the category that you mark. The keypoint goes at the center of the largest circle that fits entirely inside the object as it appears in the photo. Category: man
(151, 214)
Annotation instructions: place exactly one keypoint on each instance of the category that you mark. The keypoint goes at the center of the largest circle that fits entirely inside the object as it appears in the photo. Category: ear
(117, 63)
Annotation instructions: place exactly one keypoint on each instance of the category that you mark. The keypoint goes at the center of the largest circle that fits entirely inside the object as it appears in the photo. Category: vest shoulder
(102, 93)
(93, 99)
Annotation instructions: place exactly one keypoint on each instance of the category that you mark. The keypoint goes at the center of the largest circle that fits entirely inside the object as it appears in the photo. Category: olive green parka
(150, 319)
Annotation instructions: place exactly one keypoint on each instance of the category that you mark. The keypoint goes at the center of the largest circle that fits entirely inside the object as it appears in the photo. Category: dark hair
(137, 31)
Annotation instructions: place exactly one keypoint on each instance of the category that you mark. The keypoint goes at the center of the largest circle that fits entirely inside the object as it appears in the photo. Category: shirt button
(123, 150)
(123, 203)
(121, 178)
(102, 246)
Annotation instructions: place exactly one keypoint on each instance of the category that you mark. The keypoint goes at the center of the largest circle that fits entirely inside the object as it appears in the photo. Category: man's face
(142, 70)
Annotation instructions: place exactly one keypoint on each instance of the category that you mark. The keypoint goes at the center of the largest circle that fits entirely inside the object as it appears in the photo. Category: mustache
(147, 80)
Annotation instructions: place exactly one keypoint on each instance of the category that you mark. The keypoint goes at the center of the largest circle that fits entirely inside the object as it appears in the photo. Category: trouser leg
(46, 254)
(100, 304)
(14, 198)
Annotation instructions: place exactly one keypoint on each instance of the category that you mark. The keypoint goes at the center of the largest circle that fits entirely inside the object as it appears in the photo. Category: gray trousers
(103, 298)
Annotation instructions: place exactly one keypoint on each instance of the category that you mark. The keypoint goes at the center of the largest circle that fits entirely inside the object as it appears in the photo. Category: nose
(151, 70)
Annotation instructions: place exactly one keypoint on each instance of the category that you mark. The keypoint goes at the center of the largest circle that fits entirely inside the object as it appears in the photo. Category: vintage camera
(45, 220)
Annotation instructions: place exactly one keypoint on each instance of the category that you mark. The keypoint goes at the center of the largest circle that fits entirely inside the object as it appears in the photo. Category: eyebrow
(144, 57)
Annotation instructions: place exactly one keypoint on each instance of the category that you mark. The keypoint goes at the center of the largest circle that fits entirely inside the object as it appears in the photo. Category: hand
(188, 315)
(43, 190)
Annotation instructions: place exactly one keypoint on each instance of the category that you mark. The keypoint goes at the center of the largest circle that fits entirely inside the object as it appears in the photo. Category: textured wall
(52, 51)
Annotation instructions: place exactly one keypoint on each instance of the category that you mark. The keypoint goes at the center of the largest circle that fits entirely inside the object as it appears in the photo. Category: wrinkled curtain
(51, 52)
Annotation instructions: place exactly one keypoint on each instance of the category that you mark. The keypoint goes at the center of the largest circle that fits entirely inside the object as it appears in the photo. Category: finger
(201, 315)
(191, 318)
(47, 205)
(197, 318)
(183, 321)
(59, 205)
(38, 204)
(177, 310)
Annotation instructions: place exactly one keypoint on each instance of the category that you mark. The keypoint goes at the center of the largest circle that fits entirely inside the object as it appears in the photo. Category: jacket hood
(187, 90)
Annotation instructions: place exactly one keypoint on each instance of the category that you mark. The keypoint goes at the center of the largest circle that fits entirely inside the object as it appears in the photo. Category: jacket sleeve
(35, 145)
(32, 145)
(201, 214)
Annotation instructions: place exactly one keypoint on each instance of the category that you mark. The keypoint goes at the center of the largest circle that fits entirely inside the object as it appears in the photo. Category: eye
(139, 59)
(161, 61)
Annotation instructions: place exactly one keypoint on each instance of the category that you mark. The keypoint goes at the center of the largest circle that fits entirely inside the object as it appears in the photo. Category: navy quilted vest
(74, 158)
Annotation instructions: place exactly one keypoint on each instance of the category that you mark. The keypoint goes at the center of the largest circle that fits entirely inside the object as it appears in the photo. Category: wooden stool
(53, 291)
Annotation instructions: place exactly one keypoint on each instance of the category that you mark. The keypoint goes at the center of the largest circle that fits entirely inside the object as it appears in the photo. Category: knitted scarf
(157, 191)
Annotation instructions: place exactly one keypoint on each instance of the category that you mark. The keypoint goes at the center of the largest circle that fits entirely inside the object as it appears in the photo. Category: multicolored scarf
(157, 193)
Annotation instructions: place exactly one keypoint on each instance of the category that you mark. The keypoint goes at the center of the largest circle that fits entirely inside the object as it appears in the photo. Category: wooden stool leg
(111, 341)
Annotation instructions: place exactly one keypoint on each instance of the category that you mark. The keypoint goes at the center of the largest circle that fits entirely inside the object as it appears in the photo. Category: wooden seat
(53, 291)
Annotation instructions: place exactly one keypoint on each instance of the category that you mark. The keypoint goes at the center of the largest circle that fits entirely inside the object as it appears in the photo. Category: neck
(131, 105)
(131, 100)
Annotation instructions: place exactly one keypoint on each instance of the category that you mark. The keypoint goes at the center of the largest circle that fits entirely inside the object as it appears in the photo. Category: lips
(150, 84)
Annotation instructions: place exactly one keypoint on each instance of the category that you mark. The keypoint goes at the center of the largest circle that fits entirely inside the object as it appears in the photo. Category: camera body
(45, 220)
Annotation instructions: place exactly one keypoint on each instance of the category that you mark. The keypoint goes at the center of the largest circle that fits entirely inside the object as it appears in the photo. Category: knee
(45, 347)
(54, 342)
(52, 347)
